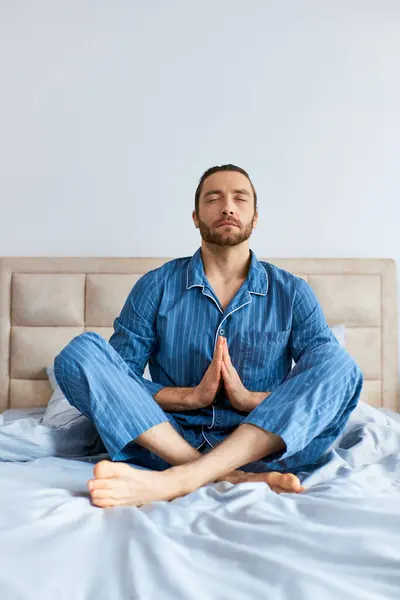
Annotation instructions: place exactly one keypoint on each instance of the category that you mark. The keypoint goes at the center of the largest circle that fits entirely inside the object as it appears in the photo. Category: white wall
(110, 112)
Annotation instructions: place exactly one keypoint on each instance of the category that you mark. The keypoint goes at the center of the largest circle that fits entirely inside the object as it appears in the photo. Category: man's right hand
(204, 393)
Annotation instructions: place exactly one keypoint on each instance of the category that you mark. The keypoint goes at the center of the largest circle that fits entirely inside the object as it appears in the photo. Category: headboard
(45, 302)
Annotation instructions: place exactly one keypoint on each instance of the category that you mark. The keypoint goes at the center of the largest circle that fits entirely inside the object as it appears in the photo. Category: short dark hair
(215, 170)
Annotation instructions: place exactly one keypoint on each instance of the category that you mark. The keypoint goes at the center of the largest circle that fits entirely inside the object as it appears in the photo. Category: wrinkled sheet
(340, 539)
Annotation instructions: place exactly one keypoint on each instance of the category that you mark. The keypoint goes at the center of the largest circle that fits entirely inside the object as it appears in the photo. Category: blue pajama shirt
(172, 319)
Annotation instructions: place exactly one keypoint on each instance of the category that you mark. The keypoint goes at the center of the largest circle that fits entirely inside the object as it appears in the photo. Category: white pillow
(146, 373)
(339, 331)
(59, 411)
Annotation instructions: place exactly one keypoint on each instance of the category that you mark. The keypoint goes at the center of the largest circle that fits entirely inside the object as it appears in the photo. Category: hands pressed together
(221, 370)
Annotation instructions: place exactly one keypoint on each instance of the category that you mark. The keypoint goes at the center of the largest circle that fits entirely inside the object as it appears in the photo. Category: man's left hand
(241, 398)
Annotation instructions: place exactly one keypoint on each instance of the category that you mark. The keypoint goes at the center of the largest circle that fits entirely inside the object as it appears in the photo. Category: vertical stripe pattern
(172, 319)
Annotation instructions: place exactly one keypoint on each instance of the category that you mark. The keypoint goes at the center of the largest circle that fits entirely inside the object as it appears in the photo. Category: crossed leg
(96, 380)
(118, 484)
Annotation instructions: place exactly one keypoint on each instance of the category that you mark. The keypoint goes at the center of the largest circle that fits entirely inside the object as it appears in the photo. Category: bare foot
(278, 482)
(119, 484)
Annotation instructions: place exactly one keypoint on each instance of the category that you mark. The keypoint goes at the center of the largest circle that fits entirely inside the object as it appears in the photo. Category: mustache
(228, 221)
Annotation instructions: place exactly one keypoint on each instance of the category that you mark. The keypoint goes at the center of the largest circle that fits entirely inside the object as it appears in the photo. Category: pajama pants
(99, 383)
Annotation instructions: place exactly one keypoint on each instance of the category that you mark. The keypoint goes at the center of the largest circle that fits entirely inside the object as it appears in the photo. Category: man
(219, 330)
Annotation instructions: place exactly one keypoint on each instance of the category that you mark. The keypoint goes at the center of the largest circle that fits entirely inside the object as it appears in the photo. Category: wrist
(249, 401)
(176, 399)
(253, 399)
(191, 398)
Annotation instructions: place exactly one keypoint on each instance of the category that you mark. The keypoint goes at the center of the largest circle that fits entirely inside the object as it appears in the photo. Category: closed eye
(215, 199)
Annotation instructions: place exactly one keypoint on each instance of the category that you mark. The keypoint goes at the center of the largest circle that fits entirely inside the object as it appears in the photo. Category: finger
(220, 348)
(226, 351)
(227, 355)
(225, 373)
(217, 359)
(227, 361)
(216, 351)
(224, 355)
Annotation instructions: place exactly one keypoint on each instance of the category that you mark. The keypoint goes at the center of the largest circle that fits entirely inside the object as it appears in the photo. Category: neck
(226, 263)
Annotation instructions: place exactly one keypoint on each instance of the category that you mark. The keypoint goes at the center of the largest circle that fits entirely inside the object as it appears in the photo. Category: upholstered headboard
(45, 302)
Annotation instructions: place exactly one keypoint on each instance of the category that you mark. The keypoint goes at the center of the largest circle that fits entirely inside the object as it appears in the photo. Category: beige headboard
(45, 302)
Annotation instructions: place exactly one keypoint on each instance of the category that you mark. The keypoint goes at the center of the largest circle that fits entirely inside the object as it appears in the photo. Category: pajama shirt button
(222, 332)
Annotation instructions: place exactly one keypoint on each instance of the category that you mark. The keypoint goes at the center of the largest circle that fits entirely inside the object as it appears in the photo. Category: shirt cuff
(152, 387)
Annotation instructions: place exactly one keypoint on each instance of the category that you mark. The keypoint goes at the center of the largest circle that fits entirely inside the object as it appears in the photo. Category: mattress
(338, 539)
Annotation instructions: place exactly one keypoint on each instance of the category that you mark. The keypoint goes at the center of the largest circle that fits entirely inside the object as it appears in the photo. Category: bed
(339, 539)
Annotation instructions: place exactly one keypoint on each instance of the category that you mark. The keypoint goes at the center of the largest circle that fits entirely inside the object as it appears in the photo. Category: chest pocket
(262, 352)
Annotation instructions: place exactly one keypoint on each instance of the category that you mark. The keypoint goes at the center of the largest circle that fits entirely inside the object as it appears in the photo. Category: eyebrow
(219, 192)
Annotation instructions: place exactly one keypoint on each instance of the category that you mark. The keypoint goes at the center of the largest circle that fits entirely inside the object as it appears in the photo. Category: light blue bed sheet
(339, 540)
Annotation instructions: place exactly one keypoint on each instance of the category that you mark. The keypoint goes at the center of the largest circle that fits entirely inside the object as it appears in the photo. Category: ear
(255, 219)
(195, 219)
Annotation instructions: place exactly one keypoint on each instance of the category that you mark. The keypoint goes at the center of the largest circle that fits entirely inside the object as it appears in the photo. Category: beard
(221, 237)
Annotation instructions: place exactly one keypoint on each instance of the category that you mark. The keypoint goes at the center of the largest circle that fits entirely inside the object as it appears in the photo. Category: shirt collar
(257, 278)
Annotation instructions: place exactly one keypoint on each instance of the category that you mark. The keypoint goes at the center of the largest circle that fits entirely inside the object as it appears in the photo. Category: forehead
(226, 181)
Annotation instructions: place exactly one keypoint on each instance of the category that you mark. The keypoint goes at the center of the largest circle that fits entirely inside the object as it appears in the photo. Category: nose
(227, 208)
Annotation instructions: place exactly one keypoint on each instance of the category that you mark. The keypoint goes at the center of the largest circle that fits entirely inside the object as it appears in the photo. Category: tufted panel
(34, 348)
(105, 296)
(41, 299)
(355, 299)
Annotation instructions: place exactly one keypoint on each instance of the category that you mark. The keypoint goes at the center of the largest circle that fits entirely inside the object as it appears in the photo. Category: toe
(103, 502)
(100, 484)
(103, 494)
(290, 483)
(103, 469)
(107, 469)
(281, 483)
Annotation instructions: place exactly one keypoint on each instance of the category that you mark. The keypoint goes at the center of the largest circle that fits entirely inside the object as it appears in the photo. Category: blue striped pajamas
(172, 319)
